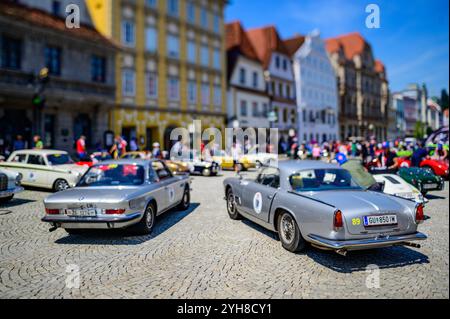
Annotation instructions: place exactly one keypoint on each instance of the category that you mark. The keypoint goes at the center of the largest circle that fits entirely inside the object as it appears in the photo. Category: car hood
(72, 167)
(366, 201)
(92, 195)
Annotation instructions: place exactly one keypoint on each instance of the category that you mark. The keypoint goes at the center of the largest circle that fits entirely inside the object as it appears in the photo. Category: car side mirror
(241, 176)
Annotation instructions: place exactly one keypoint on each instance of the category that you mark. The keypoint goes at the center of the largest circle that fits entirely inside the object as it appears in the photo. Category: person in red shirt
(81, 147)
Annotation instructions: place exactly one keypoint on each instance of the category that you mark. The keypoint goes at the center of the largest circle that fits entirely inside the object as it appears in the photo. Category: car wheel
(145, 226)
(186, 201)
(206, 172)
(289, 233)
(61, 185)
(74, 231)
(231, 206)
(6, 199)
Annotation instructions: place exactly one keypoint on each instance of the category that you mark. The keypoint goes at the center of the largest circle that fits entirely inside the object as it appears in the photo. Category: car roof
(292, 165)
(39, 152)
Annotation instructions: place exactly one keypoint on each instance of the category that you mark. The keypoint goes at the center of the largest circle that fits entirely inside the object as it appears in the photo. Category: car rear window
(113, 175)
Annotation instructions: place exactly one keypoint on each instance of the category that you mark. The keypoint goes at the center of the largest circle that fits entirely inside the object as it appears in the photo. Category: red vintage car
(439, 168)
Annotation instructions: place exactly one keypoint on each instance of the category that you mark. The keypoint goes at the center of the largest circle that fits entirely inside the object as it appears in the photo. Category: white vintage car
(397, 186)
(9, 185)
(49, 169)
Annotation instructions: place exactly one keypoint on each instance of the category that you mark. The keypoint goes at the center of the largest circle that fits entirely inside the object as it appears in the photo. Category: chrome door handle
(269, 197)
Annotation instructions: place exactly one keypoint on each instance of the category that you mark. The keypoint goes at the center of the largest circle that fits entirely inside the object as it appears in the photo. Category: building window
(205, 94)
(255, 109)
(217, 63)
(191, 52)
(216, 23)
(255, 80)
(173, 91)
(128, 33)
(190, 12)
(192, 92)
(277, 62)
(11, 53)
(217, 96)
(265, 111)
(285, 64)
(173, 46)
(242, 76)
(56, 8)
(204, 55)
(244, 110)
(98, 69)
(53, 60)
(151, 41)
(152, 85)
(128, 82)
(204, 17)
(150, 3)
(172, 7)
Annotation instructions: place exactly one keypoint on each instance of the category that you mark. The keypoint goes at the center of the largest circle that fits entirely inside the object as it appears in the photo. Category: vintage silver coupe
(119, 194)
(319, 203)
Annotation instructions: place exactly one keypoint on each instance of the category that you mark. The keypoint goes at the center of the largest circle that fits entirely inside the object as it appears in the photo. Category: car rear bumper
(9, 192)
(109, 222)
(368, 243)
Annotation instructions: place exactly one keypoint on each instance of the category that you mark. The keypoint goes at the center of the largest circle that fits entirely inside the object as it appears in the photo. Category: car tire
(186, 200)
(74, 231)
(289, 233)
(206, 172)
(231, 206)
(60, 185)
(146, 224)
(6, 199)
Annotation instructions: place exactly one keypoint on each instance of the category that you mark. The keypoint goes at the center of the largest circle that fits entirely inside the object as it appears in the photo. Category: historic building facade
(362, 86)
(80, 89)
(171, 70)
(248, 103)
(316, 89)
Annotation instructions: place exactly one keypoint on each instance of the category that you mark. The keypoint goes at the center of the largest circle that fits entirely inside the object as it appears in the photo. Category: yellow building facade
(171, 69)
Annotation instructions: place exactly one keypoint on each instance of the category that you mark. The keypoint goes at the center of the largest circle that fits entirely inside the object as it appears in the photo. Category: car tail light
(114, 211)
(338, 221)
(52, 211)
(420, 217)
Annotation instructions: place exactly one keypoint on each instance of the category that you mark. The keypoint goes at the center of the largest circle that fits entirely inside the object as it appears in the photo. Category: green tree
(443, 101)
(419, 130)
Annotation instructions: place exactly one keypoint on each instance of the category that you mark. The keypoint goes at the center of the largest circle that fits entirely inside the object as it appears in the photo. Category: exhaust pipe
(342, 252)
(414, 245)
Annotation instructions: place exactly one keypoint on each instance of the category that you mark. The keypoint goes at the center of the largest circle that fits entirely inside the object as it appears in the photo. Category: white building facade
(316, 89)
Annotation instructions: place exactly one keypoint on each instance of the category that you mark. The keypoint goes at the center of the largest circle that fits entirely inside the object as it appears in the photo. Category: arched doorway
(13, 123)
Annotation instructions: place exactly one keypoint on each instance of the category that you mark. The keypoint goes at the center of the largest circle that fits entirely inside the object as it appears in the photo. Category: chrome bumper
(368, 243)
(99, 222)
(9, 192)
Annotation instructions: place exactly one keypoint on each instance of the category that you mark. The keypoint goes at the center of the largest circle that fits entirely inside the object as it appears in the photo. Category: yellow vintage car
(136, 155)
(227, 162)
(177, 167)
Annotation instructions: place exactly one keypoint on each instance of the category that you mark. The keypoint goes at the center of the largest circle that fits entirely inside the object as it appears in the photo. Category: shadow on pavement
(389, 257)
(124, 237)
(16, 202)
(431, 197)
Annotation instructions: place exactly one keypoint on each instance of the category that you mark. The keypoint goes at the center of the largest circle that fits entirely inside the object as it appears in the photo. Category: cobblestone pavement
(201, 253)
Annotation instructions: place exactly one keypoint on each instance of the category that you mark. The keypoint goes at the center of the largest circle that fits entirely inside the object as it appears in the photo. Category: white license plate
(380, 220)
(429, 186)
(81, 212)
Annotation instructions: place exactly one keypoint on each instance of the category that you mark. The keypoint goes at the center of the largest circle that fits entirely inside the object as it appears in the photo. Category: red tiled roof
(266, 40)
(352, 44)
(43, 19)
(293, 44)
(236, 38)
(379, 67)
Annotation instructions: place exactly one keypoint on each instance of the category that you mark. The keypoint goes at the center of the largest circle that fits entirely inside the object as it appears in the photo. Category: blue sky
(413, 40)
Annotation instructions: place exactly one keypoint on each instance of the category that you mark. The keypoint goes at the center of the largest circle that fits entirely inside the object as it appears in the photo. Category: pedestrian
(418, 155)
(133, 145)
(19, 144)
(156, 151)
(81, 147)
(122, 145)
(316, 152)
(115, 148)
(38, 144)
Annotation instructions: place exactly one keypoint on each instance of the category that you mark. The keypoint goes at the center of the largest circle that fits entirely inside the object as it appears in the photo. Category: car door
(258, 195)
(168, 185)
(37, 171)
(175, 186)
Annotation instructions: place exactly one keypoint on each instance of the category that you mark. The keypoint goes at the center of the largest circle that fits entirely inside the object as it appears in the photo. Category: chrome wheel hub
(287, 229)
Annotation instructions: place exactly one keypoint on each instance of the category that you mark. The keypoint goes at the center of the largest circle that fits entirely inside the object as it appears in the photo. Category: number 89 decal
(356, 221)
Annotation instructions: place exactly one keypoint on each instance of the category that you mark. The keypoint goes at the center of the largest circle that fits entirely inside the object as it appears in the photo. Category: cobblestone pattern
(201, 253)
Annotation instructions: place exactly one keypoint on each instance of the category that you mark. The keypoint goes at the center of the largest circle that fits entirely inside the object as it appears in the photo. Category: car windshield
(59, 159)
(113, 175)
(322, 180)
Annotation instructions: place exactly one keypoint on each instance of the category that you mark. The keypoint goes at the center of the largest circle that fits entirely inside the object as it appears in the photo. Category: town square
(224, 150)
